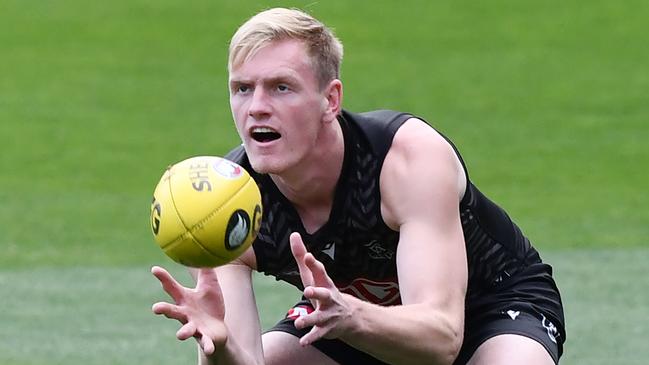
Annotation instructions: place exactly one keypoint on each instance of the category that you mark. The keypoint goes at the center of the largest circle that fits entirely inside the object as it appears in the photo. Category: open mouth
(264, 134)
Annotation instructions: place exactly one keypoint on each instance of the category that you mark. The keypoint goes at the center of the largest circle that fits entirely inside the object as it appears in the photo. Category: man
(400, 258)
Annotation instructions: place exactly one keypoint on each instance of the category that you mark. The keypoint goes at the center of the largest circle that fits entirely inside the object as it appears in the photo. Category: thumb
(299, 252)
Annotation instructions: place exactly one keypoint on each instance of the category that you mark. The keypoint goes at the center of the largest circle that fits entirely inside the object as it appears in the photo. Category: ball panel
(230, 230)
(165, 222)
(189, 252)
(198, 189)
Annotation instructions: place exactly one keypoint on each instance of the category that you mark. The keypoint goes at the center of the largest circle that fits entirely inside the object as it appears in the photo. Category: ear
(333, 97)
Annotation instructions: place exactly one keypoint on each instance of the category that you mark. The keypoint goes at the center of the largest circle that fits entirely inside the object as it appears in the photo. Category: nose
(259, 107)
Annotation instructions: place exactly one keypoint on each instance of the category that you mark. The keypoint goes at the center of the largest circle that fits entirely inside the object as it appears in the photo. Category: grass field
(548, 102)
(79, 315)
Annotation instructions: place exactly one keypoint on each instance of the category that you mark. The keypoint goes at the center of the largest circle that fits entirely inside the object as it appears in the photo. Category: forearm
(408, 334)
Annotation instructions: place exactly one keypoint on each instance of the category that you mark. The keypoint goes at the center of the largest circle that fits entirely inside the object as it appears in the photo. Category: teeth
(263, 130)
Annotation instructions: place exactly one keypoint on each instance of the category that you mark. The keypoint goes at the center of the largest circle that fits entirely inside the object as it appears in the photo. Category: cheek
(238, 113)
(238, 124)
(239, 131)
(235, 106)
(304, 136)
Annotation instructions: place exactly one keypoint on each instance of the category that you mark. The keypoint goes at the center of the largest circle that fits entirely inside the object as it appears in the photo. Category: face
(278, 107)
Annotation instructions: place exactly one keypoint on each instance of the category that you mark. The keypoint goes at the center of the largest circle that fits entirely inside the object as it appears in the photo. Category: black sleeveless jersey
(358, 249)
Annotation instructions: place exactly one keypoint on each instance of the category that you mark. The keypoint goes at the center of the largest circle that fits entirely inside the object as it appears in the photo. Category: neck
(311, 185)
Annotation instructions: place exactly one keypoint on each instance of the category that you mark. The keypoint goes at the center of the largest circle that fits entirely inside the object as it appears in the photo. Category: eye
(282, 87)
(239, 88)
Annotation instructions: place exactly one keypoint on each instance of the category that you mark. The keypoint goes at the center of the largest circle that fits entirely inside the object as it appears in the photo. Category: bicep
(432, 267)
(422, 184)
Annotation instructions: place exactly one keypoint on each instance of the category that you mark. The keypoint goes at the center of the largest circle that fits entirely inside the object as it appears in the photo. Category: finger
(297, 246)
(170, 311)
(299, 251)
(310, 320)
(318, 293)
(186, 331)
(318, 273)
(169, 284)
(207, 345)
(315, 334)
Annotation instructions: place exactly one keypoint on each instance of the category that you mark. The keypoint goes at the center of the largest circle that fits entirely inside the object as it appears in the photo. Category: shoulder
(415, 138)
(378, 127)
(420, 167)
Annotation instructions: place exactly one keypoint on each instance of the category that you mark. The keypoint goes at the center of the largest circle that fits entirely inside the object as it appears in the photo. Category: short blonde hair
(324, 49)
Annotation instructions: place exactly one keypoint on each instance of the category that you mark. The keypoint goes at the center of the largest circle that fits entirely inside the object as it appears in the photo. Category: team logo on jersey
(330, 250)
(382, 293)
(376, 251)
(299, 311)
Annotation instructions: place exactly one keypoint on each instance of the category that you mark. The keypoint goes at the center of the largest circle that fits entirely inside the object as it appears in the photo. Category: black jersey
(358, 249)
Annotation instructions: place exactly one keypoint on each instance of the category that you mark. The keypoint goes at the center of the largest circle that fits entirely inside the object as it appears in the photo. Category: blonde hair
(324, 49)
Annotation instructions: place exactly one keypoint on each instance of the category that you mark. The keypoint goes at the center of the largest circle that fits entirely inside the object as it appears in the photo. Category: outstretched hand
(332, 311)
(199, 309)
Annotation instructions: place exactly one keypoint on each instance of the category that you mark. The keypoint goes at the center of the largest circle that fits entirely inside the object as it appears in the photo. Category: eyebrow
(271, 79)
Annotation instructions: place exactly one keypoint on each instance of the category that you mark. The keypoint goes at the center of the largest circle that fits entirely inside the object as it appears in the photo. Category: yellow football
(205, 212)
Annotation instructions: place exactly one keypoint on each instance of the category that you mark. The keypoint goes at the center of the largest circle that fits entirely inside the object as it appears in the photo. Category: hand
(332, 311)
(200, 309)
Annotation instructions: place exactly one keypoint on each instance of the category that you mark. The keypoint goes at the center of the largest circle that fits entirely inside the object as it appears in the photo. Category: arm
(220, 312)
(431, 260)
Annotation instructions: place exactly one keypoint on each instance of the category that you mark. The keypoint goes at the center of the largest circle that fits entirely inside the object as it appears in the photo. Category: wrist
(354, 323)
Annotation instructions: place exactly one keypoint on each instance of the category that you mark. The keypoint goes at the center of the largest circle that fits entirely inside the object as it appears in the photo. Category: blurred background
(547, 101)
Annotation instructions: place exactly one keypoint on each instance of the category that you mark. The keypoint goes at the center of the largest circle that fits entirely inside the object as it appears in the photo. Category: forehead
(278, 58)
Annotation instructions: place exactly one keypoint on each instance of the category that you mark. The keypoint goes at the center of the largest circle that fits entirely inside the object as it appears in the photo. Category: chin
(263, 166)
(271, 163)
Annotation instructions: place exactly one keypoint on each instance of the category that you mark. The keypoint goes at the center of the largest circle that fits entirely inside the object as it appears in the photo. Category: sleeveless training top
(358, 249)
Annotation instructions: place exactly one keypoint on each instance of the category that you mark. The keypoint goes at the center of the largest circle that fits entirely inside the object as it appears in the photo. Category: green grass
(90, 315)
(546, 100)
